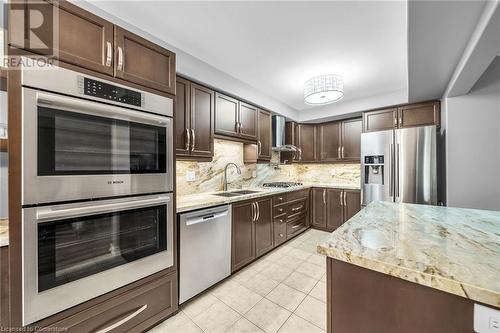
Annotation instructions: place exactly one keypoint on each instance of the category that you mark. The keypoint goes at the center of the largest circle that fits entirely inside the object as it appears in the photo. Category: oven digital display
(110, 92)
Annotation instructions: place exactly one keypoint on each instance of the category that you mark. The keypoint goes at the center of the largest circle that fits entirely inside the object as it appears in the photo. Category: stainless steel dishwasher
(205, 250)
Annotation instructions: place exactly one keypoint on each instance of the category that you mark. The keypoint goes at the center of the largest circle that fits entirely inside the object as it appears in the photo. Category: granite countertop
(4, 232)
(203, 200)
(455, 250)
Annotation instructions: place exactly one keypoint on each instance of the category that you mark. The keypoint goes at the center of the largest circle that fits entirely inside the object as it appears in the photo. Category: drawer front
(279, 211)
(280, 234)
(279, 199)
(125, 311)
(296, 226)
(295, 209)
(296, 195)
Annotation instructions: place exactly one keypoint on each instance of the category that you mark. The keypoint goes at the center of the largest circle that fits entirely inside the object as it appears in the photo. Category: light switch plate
(486, 320)
(190, 176)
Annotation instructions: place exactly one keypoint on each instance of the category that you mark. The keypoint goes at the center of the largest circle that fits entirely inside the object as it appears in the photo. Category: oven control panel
(109, 92)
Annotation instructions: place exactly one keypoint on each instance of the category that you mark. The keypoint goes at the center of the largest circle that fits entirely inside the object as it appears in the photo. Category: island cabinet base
(360, 300)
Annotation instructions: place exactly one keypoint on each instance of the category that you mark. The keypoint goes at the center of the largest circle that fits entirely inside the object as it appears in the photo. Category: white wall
(472, 129)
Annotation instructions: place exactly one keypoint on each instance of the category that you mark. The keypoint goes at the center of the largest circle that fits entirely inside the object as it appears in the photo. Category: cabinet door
(202, 121)
(84, 39)
(319, 216)
(334, 210)
(351, 139)
(248, 121)
(420, 114)
(352, 203)
(243, 239)
(307, 142)
(379, 120)
(182, 117)
(137, 60)
(226, 115)
(264, 141)
(264, 234)
(329, 141)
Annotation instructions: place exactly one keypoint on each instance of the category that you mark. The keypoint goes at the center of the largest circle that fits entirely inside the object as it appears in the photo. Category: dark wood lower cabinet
(332, 207)
(243, 234)
(360, 300)
(144, 306)
(264, 235)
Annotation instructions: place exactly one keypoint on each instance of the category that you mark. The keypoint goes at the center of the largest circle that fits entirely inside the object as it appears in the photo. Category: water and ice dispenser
(374, 169)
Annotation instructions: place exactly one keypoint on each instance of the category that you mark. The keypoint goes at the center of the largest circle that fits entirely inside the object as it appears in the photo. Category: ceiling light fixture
(323, 89)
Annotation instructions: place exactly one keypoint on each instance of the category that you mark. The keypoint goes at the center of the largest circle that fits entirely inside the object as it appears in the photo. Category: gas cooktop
(281, 184)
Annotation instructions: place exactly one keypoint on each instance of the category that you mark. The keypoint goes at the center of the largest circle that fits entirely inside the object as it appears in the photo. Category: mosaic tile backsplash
(209, 175)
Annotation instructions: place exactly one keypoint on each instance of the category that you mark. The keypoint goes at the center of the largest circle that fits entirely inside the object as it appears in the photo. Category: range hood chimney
(278, 130)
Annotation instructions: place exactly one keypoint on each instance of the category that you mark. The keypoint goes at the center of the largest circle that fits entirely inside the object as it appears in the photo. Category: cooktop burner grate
(281, 184)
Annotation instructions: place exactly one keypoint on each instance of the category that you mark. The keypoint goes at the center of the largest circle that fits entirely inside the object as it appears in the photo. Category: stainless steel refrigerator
(399, 165)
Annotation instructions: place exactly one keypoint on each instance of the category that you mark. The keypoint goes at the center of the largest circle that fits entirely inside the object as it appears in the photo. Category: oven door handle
(49, 214)
(97, 109)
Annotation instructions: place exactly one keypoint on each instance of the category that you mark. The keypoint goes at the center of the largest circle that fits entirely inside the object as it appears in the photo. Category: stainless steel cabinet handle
(253, 211)
(124, 320)
(281, 235)
(400, 120)
(188, 138)
(338, 152)
(342, 151)
(300, 154)
(241, 127)
(296, 226)
(259, 147)
(297, 208)
(395, 121)
(121, 62)
(324, 196)
(109, 54)
(345, 200)
(258, 211)
(193, 138)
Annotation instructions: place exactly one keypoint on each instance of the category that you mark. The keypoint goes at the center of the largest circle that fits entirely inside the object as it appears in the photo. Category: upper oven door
(79, 149)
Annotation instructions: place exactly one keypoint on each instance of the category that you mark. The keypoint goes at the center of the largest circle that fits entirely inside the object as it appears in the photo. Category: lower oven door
(75, 252)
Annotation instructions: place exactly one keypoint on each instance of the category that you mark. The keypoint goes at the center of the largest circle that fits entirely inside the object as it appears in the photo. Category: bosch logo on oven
(112, 182)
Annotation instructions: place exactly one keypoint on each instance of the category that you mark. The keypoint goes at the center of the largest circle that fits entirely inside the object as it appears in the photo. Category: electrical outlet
(486, 320)
(190, 176)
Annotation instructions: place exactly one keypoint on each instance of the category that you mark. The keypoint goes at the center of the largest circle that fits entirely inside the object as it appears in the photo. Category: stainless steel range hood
(278, 124)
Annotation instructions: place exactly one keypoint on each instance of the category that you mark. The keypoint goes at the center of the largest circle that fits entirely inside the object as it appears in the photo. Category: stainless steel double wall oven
(97, 170)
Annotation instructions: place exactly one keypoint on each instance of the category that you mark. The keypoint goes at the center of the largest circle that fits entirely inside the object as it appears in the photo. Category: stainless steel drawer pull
(281, 235)
(124, 320)
(193, 138)
(297, 208)
(296, 226)
(120, 59)
(188, 138)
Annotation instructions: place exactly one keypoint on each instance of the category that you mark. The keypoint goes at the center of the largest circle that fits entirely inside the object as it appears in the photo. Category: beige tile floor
(284, 291)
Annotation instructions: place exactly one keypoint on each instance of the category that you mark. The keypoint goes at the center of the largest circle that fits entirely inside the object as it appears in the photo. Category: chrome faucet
(225, 174)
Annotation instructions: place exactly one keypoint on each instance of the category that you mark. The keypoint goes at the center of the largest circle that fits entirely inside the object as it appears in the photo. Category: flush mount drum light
(323, 89)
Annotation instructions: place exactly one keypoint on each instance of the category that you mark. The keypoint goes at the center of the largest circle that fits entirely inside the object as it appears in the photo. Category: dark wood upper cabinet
(202, 121)
(84, 39)
(243, 235)
(419, 114)
(329, 144)
(264, 234)
(306, 137)
(264, 140)
(194, 120)
(352, 203)
(319, 203)
(226, 115)
(140, 61)
(380, 120)
(351, 139)
(410, 115)
(248, 119)
(334, 209)
(182, 117)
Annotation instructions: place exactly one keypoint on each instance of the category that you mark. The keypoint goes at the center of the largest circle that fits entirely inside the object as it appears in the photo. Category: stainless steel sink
(235, 193)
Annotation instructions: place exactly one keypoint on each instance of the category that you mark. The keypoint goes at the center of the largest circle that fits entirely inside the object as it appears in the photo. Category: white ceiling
(264, 51)
(276, 46)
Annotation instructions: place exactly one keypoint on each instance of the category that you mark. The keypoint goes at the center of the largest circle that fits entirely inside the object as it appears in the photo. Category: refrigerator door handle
(391, 171)
(396, 174)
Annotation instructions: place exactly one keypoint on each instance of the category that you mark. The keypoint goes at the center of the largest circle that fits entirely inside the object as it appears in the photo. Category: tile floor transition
(284, 291)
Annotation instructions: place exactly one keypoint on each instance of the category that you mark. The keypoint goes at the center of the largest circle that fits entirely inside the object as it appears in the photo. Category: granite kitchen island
(412, 268)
